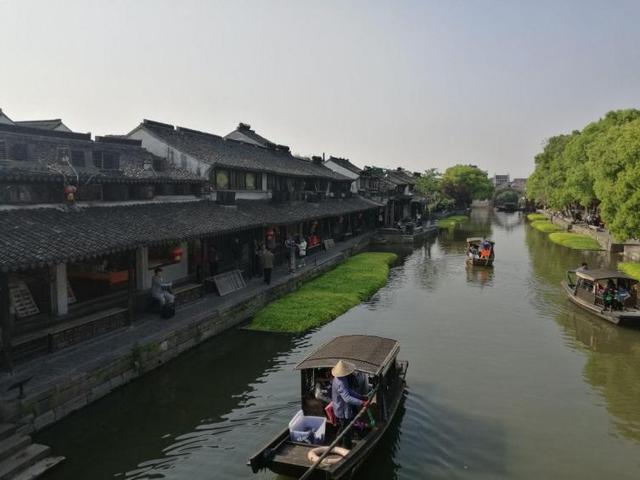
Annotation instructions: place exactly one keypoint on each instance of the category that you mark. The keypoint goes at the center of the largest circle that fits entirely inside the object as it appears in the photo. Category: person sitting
(346, 402)
(485, 253)
(322, 388)
(583, 267)
(160, 289)
(608, 295)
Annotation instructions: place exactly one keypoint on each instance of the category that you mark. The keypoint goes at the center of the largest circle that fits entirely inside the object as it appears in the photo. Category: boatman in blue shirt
(346, 402)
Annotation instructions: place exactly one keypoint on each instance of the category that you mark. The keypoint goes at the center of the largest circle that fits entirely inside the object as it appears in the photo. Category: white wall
(343, 171)
(160, 148)
(235, 135)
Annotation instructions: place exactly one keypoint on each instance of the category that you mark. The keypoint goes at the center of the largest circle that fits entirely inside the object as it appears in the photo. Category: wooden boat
(473, 252)
(373, 356)
(585, 288)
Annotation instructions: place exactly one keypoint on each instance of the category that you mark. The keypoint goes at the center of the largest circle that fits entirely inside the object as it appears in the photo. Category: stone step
(18, 462)
(12, 444)
(37, 469)
(6, 430)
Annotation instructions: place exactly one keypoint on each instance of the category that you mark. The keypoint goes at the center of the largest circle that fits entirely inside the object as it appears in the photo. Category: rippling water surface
(506, 380)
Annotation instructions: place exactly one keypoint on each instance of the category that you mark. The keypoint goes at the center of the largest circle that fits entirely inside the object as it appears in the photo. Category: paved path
(49, 370)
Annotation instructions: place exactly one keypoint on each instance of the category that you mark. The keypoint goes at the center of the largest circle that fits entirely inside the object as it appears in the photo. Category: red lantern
(70, 193)
(177, 254)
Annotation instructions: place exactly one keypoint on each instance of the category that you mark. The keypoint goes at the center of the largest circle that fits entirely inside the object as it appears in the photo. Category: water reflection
(613, 352)
(480, 276)
(175, 412)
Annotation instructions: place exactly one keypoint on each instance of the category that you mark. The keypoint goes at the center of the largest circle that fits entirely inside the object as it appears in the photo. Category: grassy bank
(452, 221)
(575, 241)
(630, 268)
(328, 296)
(536, 216)
(545, 226)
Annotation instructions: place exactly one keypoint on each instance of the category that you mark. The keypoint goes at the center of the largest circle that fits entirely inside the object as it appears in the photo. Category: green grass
(452, 221)
(323, 299)
(630, 268)
(545, 226)
(536, 216)
(574, 241)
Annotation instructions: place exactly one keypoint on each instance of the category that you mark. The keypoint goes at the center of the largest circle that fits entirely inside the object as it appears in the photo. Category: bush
(545, 226)
(452, 221)
(630, 268)
(328, 296)
(574, 241)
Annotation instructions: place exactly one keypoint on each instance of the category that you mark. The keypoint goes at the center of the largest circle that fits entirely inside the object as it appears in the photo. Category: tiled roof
(400, 177)
(245, 129)
(217, 151)
(345, 163)
(35, 237)
(44, 124)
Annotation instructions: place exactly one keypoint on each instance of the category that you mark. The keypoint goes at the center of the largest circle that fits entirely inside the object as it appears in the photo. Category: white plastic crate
(307, 429)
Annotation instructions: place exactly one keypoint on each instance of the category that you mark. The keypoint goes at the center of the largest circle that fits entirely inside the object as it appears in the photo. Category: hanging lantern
(176, 253)
(70, 193)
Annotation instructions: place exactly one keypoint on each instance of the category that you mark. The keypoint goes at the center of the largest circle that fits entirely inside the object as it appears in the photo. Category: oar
(338, 438)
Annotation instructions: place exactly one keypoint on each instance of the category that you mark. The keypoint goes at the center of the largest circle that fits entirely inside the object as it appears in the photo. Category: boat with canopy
(480, 251)
(608, 294)
(308, 447)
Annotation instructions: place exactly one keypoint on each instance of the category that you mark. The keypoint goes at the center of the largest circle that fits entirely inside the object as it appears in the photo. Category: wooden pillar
(132, 279)
(6, 322)
(143, 276)
(59, 293)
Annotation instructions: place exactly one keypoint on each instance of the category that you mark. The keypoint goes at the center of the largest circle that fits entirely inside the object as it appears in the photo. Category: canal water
(506, 380)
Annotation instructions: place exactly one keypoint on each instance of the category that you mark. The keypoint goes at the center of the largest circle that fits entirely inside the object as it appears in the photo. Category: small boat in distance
(480, 251)
(300, 451)
(608, 294)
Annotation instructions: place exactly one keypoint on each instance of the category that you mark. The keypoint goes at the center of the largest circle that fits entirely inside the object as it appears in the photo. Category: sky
(399, 83)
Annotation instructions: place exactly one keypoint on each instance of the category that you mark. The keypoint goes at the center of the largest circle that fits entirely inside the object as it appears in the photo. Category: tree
(465, 183)
(615, 161)
(506, 196)
(429, 186)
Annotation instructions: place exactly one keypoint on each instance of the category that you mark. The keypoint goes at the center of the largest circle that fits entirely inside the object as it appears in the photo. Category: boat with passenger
(309, 447)
(608, 294)
(480, 251)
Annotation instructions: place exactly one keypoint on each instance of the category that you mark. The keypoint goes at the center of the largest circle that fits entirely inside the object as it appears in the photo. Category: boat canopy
(479, 240)
(370, 354)
(600, 274)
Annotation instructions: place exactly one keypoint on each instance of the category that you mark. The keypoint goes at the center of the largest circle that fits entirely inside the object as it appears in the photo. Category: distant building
(54, 125)
(500, 181)
(4, 119)
(519, 184)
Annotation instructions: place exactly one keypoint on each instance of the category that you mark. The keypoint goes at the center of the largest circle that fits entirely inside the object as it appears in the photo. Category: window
(110, 161)
(250, 181)
(183, 160)
(77, 158)
(222, 179)
(271, 182)
(3, 150)
(18, 152)
(96, 155)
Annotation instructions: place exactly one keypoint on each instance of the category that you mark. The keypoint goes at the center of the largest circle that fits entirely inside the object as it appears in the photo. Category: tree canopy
(598, 166)
(465, 183)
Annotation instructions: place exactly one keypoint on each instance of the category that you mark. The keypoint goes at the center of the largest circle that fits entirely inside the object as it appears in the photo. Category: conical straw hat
(342, 369)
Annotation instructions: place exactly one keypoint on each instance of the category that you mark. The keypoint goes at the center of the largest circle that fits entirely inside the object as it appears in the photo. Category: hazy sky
(419, 84)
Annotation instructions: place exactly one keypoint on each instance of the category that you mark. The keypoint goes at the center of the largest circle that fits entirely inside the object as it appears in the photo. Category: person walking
(290, 245)
(302, 250)
(267, 265)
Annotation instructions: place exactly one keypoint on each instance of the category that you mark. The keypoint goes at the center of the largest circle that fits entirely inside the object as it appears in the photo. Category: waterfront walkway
(50, 372)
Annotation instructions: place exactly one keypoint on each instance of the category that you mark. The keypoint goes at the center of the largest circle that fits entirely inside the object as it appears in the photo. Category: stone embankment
(70, 379)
